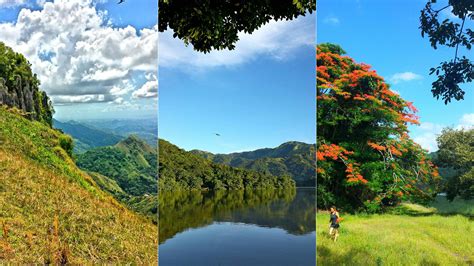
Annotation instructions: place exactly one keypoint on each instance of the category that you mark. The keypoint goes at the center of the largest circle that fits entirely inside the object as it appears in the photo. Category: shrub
(66, 143)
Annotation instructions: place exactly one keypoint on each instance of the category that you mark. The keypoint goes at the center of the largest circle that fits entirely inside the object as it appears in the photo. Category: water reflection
(292, 210)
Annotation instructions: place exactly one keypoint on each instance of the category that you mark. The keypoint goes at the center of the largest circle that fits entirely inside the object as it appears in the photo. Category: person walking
(334, 223)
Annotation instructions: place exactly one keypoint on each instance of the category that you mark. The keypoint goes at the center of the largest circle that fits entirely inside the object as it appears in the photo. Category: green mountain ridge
(180, 169)
(131, 163)
(295, 159)
(86, 137)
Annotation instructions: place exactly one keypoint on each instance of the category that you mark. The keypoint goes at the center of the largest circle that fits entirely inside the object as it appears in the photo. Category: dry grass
(45, 216)
(51, 212)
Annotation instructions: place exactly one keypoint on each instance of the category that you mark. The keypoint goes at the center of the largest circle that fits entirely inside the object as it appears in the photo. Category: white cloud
(404, 76)
(331, 20)
(77, 53)
(149, 89)
(428, 132)
(277, 39)
(91, 98)
(466, 122)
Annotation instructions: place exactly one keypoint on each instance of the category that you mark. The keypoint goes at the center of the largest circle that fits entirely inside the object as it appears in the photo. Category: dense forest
(19, 87)
(180, 169)
(128, 171)
(131, 163)
(294, 159)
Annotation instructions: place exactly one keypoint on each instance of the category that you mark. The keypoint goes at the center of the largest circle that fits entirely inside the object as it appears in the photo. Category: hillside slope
(52, 212)
(293, 158)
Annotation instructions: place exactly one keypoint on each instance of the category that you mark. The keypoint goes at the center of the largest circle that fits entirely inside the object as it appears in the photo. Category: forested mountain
(295, 159)
(54, 213)
(131, 163)
(146, 129)
(180, 169)
(86, 137)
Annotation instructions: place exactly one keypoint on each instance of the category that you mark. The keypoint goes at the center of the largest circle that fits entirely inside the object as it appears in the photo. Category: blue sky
(260, 95)
(95, 59)
(385, 35)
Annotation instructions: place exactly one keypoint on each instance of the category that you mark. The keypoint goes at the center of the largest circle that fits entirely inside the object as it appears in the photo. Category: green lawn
(435, 236)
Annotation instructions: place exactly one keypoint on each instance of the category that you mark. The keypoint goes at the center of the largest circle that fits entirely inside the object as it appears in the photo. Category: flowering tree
(366, 159)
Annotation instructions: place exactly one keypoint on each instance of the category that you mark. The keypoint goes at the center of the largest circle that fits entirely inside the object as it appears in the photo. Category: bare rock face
(33, 103)
(6, 97)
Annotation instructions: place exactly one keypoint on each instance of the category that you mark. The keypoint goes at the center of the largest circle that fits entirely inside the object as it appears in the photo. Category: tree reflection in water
(291, 210)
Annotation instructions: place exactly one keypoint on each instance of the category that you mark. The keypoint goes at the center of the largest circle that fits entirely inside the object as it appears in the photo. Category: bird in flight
(217, 134)
(121, 1)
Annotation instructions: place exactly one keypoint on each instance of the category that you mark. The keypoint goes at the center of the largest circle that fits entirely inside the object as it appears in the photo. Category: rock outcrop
(19, 87)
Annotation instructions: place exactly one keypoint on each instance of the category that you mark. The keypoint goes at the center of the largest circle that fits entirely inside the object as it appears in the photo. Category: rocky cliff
(19, 87)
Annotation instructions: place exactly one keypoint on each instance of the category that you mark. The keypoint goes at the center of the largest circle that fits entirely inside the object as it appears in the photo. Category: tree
(210, 24)
(451, 34)
(366, 159)
(456, 151)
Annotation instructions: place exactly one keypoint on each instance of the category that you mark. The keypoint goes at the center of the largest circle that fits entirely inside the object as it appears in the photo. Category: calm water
(238, 228)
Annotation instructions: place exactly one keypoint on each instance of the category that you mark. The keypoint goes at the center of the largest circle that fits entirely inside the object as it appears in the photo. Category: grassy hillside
(295, 159)
(86, 137)
(52, 212)
(180, 169)
(429, 236)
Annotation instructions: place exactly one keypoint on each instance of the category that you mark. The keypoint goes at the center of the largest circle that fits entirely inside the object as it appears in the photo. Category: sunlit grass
(52, 212)
(430, 238)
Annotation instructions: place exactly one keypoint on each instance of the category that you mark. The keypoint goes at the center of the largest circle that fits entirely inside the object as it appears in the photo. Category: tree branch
(459, 40)
(436, 12)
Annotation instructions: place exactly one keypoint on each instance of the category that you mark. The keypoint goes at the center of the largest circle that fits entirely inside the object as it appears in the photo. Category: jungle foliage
(456, 152)
(293, 158)
(180, 169)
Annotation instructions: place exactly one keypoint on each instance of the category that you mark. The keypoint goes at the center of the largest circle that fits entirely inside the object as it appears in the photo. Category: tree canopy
(456, 151)
(183, 170)
(365, 158)
(292, 158)
(210, 24)
(131, 163)
(452, 34)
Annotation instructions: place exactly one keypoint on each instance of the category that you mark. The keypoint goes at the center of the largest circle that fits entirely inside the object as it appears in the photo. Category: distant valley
(97, 133)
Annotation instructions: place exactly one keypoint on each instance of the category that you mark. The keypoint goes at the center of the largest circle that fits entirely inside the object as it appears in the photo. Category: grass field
(424, 236)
